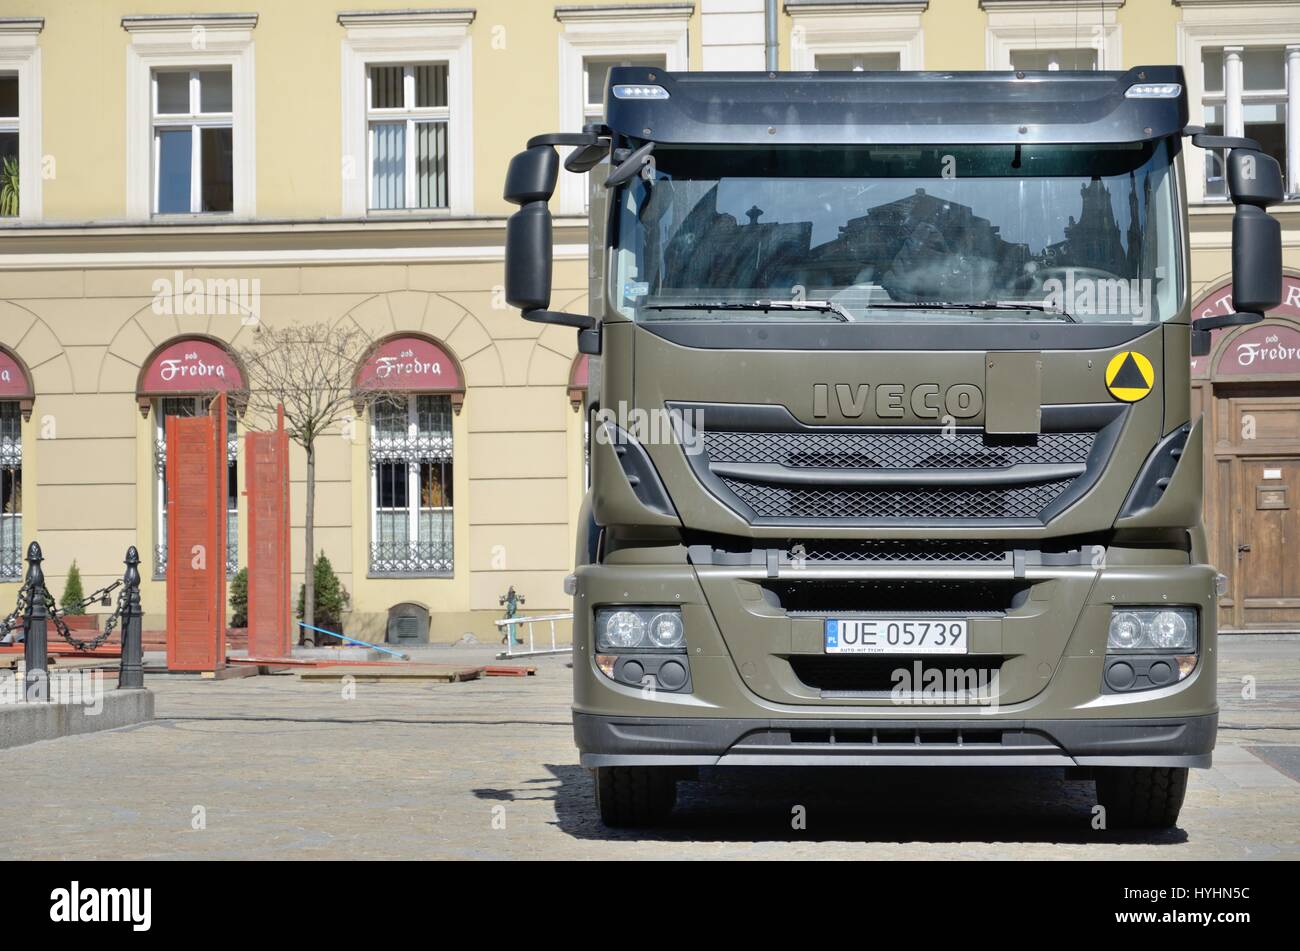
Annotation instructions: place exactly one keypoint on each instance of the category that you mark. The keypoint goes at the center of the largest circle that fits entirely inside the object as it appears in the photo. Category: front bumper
(976, 741)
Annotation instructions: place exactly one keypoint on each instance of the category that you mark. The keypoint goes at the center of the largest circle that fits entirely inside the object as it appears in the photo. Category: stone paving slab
(272, 767)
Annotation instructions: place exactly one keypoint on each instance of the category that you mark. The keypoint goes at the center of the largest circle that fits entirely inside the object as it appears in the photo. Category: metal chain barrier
(36, 609)
(57, 616)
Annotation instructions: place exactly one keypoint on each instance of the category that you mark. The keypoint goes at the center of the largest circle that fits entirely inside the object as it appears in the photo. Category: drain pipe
(771, 35)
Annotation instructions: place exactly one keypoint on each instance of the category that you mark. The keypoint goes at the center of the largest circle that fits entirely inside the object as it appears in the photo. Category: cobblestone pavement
(276, 768)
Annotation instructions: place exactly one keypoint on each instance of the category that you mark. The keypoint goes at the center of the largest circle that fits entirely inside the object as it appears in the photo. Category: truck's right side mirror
(1255, 182)
(530, 182)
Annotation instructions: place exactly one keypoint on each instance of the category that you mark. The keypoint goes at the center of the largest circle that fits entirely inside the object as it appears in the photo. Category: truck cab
(891, 453)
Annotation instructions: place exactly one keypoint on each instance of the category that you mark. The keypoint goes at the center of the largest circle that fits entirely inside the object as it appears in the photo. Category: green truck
(892, 459)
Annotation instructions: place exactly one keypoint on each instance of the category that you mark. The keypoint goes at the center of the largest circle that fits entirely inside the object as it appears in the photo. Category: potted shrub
(70, 603)
(237, 629)
(331, 602)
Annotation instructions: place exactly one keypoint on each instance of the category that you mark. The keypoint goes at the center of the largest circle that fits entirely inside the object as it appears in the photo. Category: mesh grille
(896, 551)
(781, 501)
(902, 450)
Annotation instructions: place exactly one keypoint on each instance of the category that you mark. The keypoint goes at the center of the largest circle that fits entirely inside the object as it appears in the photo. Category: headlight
(639, 629)
(1153, 629)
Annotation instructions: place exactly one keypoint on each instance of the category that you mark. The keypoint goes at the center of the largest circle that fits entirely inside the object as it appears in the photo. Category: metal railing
(36, 611)
(508, 628)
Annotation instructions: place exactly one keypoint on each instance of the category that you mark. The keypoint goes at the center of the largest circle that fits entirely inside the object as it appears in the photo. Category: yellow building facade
(172, 178)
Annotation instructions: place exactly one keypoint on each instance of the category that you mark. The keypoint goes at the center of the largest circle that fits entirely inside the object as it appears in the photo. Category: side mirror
(530, 182)
(1255, 182)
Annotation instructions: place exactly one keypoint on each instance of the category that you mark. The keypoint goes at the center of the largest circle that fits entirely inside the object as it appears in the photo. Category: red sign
(1260, 354)
(1264, 348)
(192, 366)
(13, 381)
(409, 363)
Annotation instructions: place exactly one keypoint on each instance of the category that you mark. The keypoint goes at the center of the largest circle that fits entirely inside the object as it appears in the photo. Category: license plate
(890, 635)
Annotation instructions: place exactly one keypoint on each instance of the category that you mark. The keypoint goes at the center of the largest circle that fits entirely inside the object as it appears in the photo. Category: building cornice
(21, 25)
(279, 243)
(462, 16)
(804, 7)
(151, 22)
(1018, 6)
(1237, 4)
(604, 12)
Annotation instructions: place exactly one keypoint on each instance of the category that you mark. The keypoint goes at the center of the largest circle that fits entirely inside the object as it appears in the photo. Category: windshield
(1071, 233)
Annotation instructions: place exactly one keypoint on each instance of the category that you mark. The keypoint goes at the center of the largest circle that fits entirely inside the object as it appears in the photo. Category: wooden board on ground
(507, 670)
(404, 673)
(228, 673)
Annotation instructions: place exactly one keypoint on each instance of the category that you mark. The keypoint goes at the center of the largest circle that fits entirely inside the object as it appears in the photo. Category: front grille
(855, 502)
(969, 677)
(930, 449)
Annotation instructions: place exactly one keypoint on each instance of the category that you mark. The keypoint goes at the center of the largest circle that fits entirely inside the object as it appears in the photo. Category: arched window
(416, 386)
(16, 397)
(181, 379)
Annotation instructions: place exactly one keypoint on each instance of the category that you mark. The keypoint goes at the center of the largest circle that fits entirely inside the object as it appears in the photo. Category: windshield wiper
(976, 305)
(819, 306)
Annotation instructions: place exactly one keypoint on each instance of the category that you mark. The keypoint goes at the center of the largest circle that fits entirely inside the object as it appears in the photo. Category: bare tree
(309, 370)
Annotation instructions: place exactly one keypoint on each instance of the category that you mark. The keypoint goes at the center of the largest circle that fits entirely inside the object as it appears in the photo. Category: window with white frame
(411, 471)
(857, 62)
(9, 158)
(1052, 34)
(855, 36)
(407, 112)
(186, 407)
(406, 118)
(1241, 62)
(594, 40)
(1247, 91)
(1069, 58)
(11, 491)
(191, 128)
(193, 141)
(20, 118)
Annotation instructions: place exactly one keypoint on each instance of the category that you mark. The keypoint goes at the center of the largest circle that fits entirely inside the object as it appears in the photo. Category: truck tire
(1141, 797)
(634, 795)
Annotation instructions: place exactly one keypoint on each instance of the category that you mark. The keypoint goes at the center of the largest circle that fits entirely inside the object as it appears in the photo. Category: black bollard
(37, 685)
(130, 675)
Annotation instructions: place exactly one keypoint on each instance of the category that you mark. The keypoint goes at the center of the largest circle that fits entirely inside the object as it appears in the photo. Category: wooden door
(1267, 542)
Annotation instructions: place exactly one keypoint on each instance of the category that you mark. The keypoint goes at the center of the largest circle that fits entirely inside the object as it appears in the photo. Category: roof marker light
(1154, 91)
(640, 92)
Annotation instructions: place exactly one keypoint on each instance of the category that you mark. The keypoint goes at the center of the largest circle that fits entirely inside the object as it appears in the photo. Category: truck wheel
(1141, 797)
(634, 795)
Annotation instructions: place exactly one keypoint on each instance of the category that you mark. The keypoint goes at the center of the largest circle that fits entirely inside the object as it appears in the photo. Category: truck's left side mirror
(530, 182)
(1255, 182)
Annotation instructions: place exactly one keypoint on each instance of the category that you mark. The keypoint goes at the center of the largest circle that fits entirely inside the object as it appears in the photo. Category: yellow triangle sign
(1130, 376)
